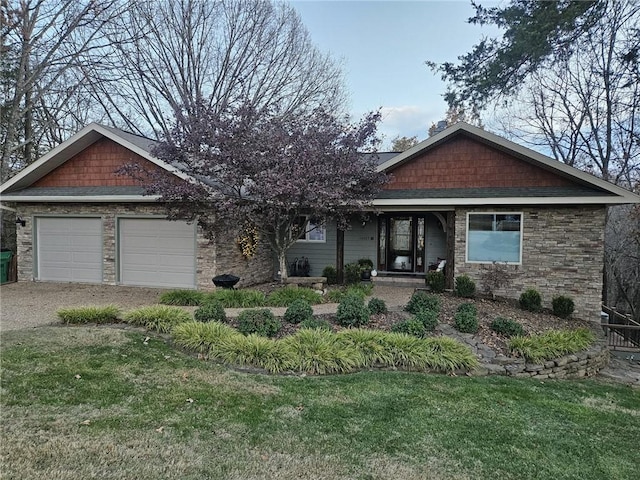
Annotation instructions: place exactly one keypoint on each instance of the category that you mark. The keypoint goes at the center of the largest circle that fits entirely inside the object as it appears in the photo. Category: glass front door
(401, 242)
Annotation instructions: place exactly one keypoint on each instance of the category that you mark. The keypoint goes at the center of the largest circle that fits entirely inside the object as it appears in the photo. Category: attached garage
(157, 252)
(69, 249)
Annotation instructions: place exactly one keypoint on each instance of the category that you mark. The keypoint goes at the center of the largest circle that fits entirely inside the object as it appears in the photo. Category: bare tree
(218, 52)
(43, 45)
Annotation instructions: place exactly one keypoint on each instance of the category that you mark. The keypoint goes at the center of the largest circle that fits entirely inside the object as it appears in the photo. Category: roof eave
(413, 202)
(80, 199)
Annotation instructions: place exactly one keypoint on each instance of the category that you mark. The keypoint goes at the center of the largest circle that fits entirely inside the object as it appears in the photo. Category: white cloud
(406, 120)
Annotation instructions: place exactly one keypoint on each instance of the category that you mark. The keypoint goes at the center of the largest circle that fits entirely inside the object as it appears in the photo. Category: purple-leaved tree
(267, 172)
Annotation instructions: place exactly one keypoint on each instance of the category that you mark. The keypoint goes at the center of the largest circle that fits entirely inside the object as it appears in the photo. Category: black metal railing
(622, 332)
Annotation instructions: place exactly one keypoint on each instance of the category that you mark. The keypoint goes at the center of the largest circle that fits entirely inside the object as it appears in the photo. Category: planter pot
(225, 281)
(365, 275)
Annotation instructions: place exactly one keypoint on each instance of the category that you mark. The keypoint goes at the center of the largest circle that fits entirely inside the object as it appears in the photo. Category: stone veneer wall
(562, 254)
(213, 258)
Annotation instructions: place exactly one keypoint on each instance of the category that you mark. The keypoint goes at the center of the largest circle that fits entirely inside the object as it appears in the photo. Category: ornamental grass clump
(531, 300)
(423, 301)
(298, 311)
(203, 338)
(377, 306)
(259, 321)
(370, 344)
(231, 298)
(465, 287)
(211, 311)
(254, 350)
(466, 318)
(283, 297)
(89, 314)
(352, 312)
(506, 327)
(162, 318)
(563, 306)
(318, 352)
(185, 298)
(552, 344)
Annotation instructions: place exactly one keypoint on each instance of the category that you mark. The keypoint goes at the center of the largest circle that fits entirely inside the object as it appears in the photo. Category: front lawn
(112, 403)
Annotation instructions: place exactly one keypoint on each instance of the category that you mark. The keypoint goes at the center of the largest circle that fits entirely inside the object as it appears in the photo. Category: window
(313, 232)
(494, 237)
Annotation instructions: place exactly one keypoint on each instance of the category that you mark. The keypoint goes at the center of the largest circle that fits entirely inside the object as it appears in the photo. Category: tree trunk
(340, 256)
(282, 260)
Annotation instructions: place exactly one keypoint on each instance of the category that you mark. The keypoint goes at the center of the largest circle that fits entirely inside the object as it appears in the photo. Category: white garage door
(69, 249)
(157, 252)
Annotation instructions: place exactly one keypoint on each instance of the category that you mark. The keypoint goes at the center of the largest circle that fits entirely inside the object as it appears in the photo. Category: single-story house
(464, 195)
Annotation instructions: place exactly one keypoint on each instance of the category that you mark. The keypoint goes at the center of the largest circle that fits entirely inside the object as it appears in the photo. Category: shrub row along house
(464, 195)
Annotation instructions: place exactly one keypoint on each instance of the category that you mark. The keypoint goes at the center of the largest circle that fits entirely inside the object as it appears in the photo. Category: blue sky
(383, 46)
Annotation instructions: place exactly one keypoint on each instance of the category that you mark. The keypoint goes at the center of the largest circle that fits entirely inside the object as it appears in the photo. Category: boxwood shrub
(422, 300)
(211, 311)
(260, 321)
(298, 311)
(352, 312)
(506, 327)
(465, 287)
(531, 300)
(563, 306)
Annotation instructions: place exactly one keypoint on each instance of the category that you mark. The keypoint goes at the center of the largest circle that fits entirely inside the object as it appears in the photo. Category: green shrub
(231, 298)
(298, 311)
(531, 300)
(377, 306)
(316, 323)
(435, 281)
(465, 318)
(283, 297)
(428, 318)
(365, 263)
(352, 273)
(352, 312)
(211, 311)
(331, 274)
(361, 289)
(563, 306)
(258, 321)
(185, 298)
(421, 300)
(92, 314)
(507, 327)
(411, 326)
(158, 317)
(202, 337)
(335, 295)
(319, 352)
(465, 287)
(552, 344)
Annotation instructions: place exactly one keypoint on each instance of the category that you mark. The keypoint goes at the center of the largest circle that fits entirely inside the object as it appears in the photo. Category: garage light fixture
(21, 221)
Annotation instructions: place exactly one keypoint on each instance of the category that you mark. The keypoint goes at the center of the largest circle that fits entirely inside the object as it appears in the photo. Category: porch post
(340, 255)
(451, 249)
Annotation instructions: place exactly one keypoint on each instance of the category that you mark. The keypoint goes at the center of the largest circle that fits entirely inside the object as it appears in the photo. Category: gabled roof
(589, 189)
(75, 144)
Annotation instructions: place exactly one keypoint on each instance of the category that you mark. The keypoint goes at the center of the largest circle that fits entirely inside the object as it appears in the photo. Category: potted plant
(366, 265)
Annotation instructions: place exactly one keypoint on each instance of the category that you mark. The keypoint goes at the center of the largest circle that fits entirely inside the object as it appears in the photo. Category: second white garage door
(157, 252)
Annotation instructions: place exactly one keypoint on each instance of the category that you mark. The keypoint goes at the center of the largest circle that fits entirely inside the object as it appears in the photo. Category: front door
(401, 243)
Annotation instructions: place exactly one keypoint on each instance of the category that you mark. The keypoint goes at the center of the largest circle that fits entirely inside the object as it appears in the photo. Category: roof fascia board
(81, 199)
(503, 201)
(63, 152)
(511, 147)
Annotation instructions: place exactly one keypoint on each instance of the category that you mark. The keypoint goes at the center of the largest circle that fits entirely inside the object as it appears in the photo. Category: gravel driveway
(32, 304)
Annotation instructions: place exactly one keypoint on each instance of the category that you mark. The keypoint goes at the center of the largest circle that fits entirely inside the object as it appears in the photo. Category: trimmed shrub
(552, 344)
(185, 298)
(507, 327)
(100, 315)
(331, 274)
(298, 311)
(211, 311)
(230, 298)
(352, 312)
(377, 306)
(531, 300)
(563, 306)
(411, 326)
(259, 321)
(283, 297)
(423, 301)
(158, 317)
(316, 323)
(466, 319)
(428, 318)
(435, 281)
(351, 273)
(465, 286)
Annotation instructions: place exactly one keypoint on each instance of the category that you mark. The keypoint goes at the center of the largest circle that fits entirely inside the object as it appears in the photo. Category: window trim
(306, 239)
(519, 262)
